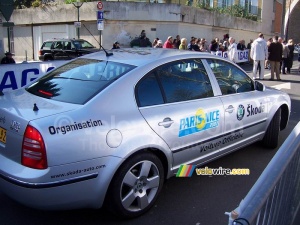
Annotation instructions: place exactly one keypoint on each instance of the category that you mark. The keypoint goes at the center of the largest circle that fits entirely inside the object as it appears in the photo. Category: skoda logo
(240, 112)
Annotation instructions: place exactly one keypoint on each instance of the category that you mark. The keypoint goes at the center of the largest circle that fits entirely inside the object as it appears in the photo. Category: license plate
(2, 135)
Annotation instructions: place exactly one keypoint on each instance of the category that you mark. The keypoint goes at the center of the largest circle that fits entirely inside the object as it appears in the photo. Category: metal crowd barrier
(275, 197)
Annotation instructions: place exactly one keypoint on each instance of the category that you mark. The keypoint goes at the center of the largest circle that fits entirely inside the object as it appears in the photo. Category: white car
(108, 129)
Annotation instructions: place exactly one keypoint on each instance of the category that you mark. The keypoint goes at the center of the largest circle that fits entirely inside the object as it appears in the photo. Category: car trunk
(17, 109)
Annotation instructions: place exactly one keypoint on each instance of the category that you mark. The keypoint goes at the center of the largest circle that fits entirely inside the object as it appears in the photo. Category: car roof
(141, 56)
(64, 39)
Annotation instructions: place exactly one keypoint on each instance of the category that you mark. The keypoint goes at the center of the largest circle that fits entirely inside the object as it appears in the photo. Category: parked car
(65, 49)
(108, 128)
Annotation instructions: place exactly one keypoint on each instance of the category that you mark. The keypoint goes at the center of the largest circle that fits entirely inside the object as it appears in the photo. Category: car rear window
(79, 80)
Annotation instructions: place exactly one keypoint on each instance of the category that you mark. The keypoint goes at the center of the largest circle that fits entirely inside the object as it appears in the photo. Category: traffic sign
(100, 25)
(100, 5)
(77, 24)
(100, 15)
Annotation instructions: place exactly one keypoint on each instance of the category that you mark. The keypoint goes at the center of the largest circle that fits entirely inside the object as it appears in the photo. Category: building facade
(123, 21)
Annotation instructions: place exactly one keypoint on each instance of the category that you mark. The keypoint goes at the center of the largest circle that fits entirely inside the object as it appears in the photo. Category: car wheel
(135, 185)
(271, 136)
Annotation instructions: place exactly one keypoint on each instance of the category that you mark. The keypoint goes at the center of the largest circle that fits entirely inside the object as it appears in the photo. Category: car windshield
(80, 44)
(79, 80)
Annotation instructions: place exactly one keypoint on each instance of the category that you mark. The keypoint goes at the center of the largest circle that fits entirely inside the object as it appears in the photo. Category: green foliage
(36, 3)
(234, 10)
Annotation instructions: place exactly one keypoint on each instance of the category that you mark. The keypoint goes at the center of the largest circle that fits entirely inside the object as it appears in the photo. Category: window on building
(225, 3)
(253, 7)
(243, 3)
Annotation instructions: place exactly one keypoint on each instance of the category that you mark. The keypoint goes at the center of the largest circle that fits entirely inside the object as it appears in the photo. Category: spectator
(275, 55)
(192, 45)
(214, 46)
(159, 44)
(232, 49)
(259, 53)
(221, 47)
(169, 43)
(218, 42)
(8, 59)
(116, 45)
(204, 45)
(249, 44)
(176, 42)
(241, 45)
(183, 44)
(291, 47)
(196, 46)
(285, 54)
(154, 43)
(267, 63)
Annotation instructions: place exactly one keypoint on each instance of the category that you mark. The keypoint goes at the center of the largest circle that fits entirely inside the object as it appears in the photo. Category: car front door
(177, 100)
(57, 50)
(246, 109)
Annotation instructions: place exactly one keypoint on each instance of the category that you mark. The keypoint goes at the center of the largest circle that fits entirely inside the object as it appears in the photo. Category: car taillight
(40, 53)
(33, 149)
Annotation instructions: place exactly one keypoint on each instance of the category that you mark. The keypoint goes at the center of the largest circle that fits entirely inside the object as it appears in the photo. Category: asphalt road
(200, 200)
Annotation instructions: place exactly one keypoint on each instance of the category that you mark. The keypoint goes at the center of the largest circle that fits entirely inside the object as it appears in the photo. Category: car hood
(19, 105)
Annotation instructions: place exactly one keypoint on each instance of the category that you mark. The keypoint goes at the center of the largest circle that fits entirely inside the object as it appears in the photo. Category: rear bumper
(77, 191)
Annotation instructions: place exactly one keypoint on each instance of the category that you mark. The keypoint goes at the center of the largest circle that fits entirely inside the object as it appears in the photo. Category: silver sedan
(108, 129)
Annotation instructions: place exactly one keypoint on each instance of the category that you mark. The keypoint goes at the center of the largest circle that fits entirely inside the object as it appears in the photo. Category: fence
(275, 197)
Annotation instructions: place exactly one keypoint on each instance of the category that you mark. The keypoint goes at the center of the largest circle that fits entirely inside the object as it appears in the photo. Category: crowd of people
(275, 53)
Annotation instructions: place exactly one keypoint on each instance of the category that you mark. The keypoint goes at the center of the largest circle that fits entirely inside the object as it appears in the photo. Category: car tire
(270, 139)
(135, 186)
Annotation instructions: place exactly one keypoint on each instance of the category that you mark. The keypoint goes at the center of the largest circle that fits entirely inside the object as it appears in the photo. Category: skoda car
(108, 128)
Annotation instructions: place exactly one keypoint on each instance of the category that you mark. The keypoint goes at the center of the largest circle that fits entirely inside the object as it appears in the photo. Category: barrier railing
(275, 197)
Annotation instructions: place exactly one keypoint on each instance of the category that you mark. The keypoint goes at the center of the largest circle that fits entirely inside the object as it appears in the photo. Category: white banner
(241, 56)
(14, 76)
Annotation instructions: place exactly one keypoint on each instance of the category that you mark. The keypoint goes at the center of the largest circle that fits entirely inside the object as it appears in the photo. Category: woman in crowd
(183, 44)
(290, 58)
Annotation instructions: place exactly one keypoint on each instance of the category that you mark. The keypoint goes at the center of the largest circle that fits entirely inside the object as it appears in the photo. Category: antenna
(107, 53)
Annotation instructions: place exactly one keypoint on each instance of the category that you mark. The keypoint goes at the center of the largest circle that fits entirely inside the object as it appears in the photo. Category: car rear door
(177, 101)
(246, 109)
(57, 50)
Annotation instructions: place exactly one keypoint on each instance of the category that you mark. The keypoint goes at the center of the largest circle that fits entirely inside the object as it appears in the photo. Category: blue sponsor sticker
(201, 121)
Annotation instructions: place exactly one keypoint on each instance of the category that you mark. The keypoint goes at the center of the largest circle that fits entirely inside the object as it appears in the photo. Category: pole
(100, 43)
(78, 31)
(8, 38)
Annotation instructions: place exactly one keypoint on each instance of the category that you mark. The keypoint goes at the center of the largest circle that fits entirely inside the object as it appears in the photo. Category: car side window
(184, 80)
(178, 81)
(68, 45)
(148, 91)
(58, 45)
(230, 78)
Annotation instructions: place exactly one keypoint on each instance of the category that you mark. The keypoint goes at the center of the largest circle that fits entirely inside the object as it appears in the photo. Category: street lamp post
(78, 4)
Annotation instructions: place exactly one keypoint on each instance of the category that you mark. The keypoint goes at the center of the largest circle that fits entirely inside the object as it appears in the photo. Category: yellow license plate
(2, 135)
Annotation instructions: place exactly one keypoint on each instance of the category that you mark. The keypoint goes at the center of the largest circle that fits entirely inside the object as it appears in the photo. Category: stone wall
(124, 21)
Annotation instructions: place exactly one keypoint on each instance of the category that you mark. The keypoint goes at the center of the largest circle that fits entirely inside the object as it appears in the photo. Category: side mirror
(259, 86)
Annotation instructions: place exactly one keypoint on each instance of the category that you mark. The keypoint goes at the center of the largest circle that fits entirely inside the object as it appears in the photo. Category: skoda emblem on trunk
(15, 126)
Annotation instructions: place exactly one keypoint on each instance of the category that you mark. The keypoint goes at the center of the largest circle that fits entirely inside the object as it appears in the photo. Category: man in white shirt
(232, 49)
(259, 53)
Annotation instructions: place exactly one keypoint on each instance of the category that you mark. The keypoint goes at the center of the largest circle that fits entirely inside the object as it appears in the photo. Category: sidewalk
(248, 67)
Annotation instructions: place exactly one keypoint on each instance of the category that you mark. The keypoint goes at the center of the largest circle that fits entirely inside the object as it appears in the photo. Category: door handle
(167, 122)
(229, 109)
